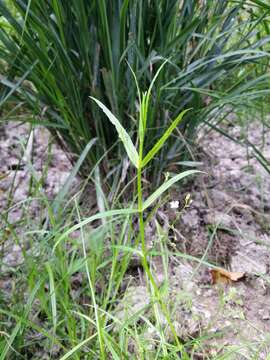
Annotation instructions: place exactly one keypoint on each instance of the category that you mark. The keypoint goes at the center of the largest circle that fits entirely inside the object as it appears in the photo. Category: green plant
(67, 50)
(140, 161)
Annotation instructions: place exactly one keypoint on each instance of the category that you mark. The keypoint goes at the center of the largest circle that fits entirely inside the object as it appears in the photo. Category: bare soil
(228, 225)
(28, 168)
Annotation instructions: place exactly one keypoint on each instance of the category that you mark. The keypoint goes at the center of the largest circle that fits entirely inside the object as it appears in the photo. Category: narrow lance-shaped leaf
(261, 4)
(148, 94)
(165, 186)
(141, 102)
(162, 140)
(128, 144)
(78, 346)
(52, 295)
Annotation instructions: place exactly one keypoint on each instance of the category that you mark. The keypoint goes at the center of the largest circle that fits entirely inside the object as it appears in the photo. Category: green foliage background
(69, 50)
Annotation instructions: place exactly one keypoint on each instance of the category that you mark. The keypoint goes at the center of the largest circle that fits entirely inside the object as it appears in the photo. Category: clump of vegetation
(70, 50)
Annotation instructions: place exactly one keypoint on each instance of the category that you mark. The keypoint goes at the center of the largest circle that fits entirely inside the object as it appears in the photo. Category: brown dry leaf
(3, 175)
(222, 276)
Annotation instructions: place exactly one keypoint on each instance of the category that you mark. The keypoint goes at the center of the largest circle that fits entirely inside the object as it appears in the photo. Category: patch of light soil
(25, 159)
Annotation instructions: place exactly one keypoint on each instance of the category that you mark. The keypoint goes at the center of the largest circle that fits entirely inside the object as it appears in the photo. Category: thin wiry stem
(98, 324)
(149, 276)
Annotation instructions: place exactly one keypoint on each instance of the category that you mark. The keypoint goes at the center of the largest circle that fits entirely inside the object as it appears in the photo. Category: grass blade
(63, 192)
(77, 347)
(52, 296)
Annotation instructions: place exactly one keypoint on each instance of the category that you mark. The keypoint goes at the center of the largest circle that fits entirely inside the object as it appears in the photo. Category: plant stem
(147, 270)
(92, 291)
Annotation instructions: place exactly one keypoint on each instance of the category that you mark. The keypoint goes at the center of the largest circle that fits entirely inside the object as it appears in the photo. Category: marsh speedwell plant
(139, 160)
(103, 317)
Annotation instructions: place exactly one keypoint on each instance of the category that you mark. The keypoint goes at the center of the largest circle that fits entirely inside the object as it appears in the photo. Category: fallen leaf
(3, 175)
(224, 276)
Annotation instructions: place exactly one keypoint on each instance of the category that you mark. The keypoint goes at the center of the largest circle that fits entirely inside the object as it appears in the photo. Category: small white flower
(174, 204)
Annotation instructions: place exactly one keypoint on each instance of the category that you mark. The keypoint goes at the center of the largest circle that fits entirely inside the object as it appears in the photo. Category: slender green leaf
(162, 140)
(52, 295)
(261, 4)
(128, 144)
(63, 192)
(77, 347)
(16, 86)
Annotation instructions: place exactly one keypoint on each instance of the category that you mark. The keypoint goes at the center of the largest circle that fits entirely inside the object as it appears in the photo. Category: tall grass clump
(68, 50)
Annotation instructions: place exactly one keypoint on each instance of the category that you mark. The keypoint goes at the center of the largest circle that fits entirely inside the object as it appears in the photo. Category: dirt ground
(227, 224)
